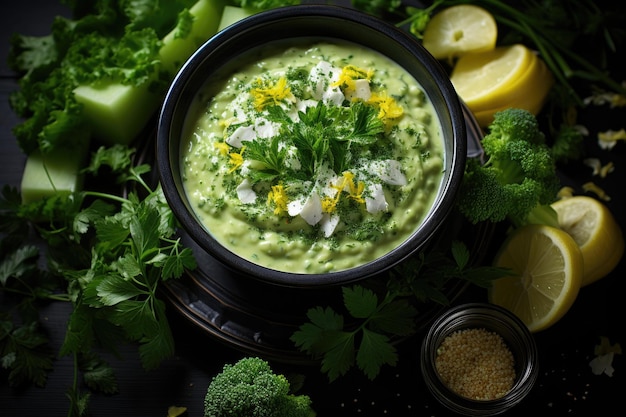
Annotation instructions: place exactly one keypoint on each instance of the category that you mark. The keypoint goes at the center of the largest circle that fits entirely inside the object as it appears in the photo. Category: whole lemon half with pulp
(460, 29)
(547, 270)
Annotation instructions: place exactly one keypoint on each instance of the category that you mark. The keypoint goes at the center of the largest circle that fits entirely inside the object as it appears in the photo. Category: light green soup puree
(313, 158)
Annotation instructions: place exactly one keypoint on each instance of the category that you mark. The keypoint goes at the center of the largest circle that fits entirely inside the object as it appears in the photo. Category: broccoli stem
(540, 214)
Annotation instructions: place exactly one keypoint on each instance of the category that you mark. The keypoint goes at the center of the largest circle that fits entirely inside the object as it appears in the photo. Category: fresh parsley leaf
(379, 316)
(98, 374)
(19, 263)
(272, 157)
(25, 352)
(361, 302)
(375, 351)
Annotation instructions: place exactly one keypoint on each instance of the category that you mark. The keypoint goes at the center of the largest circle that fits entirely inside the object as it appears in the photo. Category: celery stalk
(58, 171)
(117, 113)
(233, 14)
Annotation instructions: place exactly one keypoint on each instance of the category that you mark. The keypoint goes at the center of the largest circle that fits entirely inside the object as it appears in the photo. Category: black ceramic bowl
(310, 21)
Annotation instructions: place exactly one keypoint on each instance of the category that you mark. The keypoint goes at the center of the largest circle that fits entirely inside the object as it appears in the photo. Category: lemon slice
(548, 269)
(528, 92)
(457, 30)
(484, 80)
(596, 232)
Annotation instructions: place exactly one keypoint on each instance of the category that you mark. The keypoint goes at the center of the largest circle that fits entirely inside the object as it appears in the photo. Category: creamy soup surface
(311, 158)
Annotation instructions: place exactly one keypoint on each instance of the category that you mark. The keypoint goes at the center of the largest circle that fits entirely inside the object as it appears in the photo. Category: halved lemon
(547, 267)
(595, 230)
(507, 76)
(457, 30)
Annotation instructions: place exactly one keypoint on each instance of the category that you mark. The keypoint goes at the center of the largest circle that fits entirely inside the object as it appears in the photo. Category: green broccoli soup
(314, 157)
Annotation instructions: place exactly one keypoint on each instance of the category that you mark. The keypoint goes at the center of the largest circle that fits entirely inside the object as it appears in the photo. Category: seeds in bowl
(476, 364)
(313, 157)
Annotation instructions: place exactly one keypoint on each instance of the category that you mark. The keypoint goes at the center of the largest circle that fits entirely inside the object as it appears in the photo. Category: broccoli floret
(250, 388)
(568, 144)
(518, 180)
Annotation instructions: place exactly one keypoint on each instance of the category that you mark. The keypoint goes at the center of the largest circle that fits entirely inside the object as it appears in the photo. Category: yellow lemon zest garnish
(594, 188)
(608, 139)
(174, 411)
(355, 191)
(236, 159)
(278, 196)
(222, 147)
(269, 94)
(565, 192)
(388, 109)
(329, 204)
(349, 74)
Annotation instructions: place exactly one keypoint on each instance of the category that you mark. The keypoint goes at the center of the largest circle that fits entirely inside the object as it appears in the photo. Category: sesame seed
(476, 364)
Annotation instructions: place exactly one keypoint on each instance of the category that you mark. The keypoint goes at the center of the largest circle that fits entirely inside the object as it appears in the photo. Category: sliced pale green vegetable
(54, 172)
(175, 50)
(233, 14)
(117, 113)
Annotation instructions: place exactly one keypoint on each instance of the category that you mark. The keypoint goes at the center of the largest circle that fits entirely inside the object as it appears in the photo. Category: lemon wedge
(457, 30)
(595, 230)
(507, 76)
(547, 267)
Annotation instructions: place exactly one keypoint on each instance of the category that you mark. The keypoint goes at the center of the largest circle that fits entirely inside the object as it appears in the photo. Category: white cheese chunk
(376, 201)
(241, 134)
(389, 170)
(245, 193)
(310, 210)
(329, 223)
(262, 128)
(362, 90)
(322, 76)
(266, 129)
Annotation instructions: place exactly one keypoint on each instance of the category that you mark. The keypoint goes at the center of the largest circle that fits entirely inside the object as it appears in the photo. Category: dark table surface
(566, 385)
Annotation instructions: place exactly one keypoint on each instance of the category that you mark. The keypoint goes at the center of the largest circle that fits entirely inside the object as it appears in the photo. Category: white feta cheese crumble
(245, 193)
(362, 90)
(376, 200)
(389, 171)
(262, 128)
(329, 223)
(322, 76)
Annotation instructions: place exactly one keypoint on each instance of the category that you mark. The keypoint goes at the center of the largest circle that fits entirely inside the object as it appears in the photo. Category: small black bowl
(296, 22)
(493, 319)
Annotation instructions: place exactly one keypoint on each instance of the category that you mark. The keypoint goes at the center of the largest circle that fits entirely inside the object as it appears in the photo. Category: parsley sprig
(379, 317)
(107, 255)
(323, 134)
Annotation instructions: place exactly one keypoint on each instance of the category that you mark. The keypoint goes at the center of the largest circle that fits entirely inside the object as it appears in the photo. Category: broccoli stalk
(248, 388)
(518, 180)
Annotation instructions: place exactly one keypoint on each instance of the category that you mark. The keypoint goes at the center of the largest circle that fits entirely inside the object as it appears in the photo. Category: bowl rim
(409, 45)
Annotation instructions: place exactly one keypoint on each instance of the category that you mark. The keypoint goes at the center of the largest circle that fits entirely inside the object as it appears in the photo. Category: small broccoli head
(249, 388)
(517, 123)
(519, 173)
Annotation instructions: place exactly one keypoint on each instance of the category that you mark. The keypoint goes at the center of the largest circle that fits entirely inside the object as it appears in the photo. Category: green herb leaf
(359, 301)
(18, 263)
(375, 351)
(25, 352)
